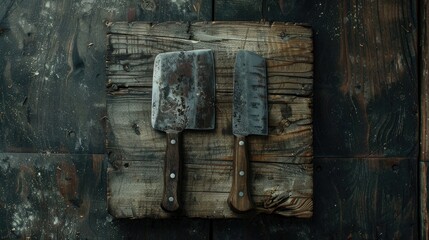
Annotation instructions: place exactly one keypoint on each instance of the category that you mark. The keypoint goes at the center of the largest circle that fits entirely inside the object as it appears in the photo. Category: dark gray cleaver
(250, 117)
(183, 97)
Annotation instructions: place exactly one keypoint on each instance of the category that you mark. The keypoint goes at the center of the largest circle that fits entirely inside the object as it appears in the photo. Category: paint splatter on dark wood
(52, 195)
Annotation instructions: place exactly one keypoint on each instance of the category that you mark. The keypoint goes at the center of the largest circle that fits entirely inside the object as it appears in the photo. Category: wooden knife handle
(239, 197)
(170, 199)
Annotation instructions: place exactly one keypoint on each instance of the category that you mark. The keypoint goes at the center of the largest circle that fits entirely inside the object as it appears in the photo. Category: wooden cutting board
(281, 166)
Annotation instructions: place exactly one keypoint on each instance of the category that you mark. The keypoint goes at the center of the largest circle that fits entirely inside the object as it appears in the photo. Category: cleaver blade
(183, 97)
(250, 117)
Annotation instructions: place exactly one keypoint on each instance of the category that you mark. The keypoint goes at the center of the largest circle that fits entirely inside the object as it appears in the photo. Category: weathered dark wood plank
(63, 196)
(175, 229)
(51, 77)
(52, 67)
(238, 10)
(137, 148)
(424, 200)
(424, 120)
(376, 95)
(347, 191)
(354, 199)
(52, 99)
(424, 87)
(52, 196)
(367, 198)
(391, 100)
(170, 10)
(329, 105)
(366, 93)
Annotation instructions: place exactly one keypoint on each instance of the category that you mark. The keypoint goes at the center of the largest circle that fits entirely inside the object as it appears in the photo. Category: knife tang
(172, 173)
(239, 198)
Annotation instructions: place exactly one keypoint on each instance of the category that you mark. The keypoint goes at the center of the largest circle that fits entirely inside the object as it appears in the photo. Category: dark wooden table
(370, 59)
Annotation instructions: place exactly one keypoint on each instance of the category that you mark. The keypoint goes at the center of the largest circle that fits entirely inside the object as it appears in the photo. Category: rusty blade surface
(183, 91)
(250, 111)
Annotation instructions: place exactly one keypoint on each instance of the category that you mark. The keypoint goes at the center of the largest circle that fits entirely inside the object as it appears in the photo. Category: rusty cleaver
(183, 97)
(250, 117)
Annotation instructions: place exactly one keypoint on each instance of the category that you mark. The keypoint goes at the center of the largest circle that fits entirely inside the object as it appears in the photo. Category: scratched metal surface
(250, 107)
(183, 91)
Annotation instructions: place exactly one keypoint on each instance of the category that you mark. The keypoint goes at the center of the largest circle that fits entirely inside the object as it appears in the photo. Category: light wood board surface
(281, 163)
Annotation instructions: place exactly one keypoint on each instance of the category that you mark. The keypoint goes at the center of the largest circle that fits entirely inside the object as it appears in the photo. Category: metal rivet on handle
(241, 143)
(241, 173)
(241, 194)
(173, 141)
(172, 175)
(171, 199)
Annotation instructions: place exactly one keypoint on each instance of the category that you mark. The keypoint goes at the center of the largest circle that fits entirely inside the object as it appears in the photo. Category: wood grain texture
(370, 197)
(168, 10)
(366, 58)
(424, 87)
(424, 121)
(52, 68)
(382, 84)
(53, 195)
(424, 200)
(353, 199)
(337, 124)
(63, 196)
(52, 99)
(207, 155)
(238, 10)
(175, 229)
